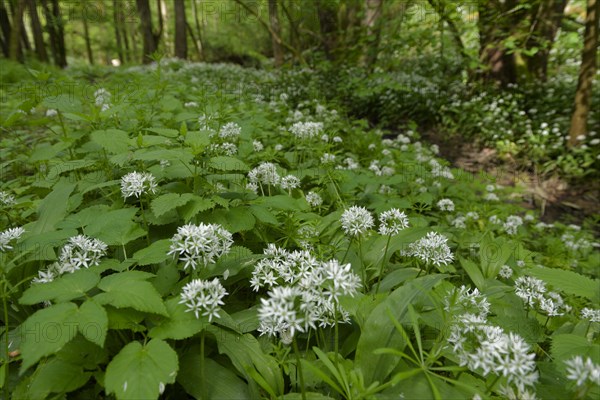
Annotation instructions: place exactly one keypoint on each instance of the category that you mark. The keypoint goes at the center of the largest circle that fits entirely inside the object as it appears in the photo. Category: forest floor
(555, 198)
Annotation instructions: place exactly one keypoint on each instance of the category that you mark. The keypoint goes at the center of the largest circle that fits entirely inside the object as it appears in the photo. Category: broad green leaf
(195, 206)
(568, 281)
(263, 214)
(53, 208)
(568, 345)
(224, 163)
(221, 382)
(114, 141)
(153, 254)
(93, 322)
(130, 289)
(141, 371)
(171, 133)
(56, 376)
(239, 219)
(197, 140)
(493, 253)
(47, 331)
(163, 154)
(170, 201)
(62, 289)
(378, 331)
(180, 323)
(282, 202)
(67, 166)
(116, 227)
(473, 271)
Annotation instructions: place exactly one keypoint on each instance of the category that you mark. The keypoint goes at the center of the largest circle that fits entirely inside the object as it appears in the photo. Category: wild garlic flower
(230, 131)
(137, 183)
(356, 221)
(9, 235)
(512, 223)
(582, 371)
(472, 215)
(6, 199)
(281, 312)
(258, 146)
(289, 182)
(535, 295)
(505, 272)
(200, 244)
(222, 149)
(494, 219)
(51, 273)
(593, 315)
(459, 222)
(464, 300)
(203, 297)
(265, 173)
(433, 249)
(314, 199)
(102, 98)
(391, 222)
(445, 205)
(491, 197)
(51, 112)
(306, 130)
(81, 251)
(439, 170)
(328, 158)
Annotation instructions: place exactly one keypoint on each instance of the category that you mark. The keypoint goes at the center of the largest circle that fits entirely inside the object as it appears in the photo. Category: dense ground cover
(218, 231)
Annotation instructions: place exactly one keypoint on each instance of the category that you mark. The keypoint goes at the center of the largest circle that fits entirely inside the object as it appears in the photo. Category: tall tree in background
(15, 51)
(373, 10)
(328, 21)
(119, 36)
(587, 70)
(180, 30)
(38, 34)
(55, 28)
(86, 35)
(150, 38)
(197, 39)
(546, 19)
(5, 29)
(275, 33)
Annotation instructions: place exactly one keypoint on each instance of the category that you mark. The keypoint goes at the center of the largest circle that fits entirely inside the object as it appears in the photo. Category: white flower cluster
(439, 170)
(222, 149)
(230, 131)
(487, 348)
(6, 199)
(137, 183)
(313, 199)
(303, 292)
(306, 130)
(51, 112)
(534, 294)
(381, 171)
(583, 371)
(392, 222)
(289, 182)
(490, 195)
(505, 272)
(265, 174)
(356, 221)
(203, 244)
(8, 235)
(328, 158)
(467, 301)
(575, 244)
(445, 205)
(257, 145)
(592, 315)
(80, 252)
(203, 297)
(432, 248)
(102, 98)
(512, 223)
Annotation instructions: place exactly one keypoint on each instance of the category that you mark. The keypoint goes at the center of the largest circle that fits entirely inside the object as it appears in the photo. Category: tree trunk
(163, 19)
(180, 30)
(60, 34)
(587, 70)
(275, 33)
(15, 51)
(88, 44)
(5, 28)
(198, 39)
(150, 43)
(327, 13)
(117, 25)
(38, 34)
(372, 26)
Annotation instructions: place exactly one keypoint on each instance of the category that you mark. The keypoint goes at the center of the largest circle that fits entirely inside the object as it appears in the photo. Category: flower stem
(299, 368)
(362, 264)
(491, 386)
(202, 369)
(382, 264)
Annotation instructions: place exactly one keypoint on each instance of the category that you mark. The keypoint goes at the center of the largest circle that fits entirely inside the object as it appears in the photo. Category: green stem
(347, 250)
(145, 222)
(299, 368)
(202, 369)
(6, 330)
(382, 264)
(362, 264)
(491, 386)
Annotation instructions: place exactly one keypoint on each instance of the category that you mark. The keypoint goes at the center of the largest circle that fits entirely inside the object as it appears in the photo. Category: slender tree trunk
(546, 22)
(180, 30)
(149, 43)
(163, 19)
(117, 25)
(60, 34)
(275, 33)
(372, 26)
(15, 50)
(5, 28)
(38, 34)
(198, 40)
(88, 43)
(327, 13)
(587, 70)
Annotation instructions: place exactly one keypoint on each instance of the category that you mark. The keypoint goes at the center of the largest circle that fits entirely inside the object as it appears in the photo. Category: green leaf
(378, 331)
(56, 376)
(58, 169)
(224, 163)
(221, 382)
(116, 227)
(53, 208)
(283, 202)
(170, 201)
(493, 253)
(195, 206)
(473, 271)
(93, 322)
(141, 371)
(46, 332)
(130, 289)
(239, 219)
(263, 214)
(569, 282)
(114, 141)
(566, 346)
(171, 133)
(153, 254)
(62, 289)
(180, 324)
